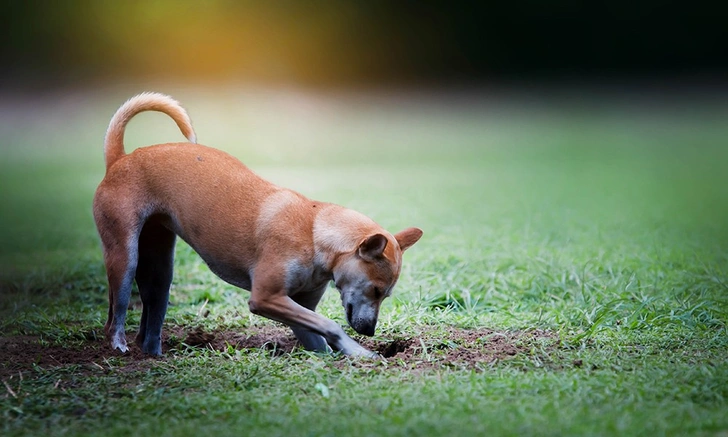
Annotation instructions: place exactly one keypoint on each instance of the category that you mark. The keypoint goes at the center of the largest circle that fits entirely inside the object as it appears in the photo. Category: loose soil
(431, 348)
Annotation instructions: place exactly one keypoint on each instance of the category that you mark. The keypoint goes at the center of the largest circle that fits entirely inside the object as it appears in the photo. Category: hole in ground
(394, 347)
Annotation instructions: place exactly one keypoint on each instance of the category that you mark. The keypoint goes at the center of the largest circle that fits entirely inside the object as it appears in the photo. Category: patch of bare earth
(465, 348)
(431, 348)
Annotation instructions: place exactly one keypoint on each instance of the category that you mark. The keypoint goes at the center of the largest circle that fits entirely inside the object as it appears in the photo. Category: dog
(281, 246)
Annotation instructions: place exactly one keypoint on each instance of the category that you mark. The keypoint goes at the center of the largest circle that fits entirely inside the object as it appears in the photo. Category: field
(572, 279)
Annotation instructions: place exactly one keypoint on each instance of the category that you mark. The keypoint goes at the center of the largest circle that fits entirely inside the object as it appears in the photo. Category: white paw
(119, 344)
(375, 356)
(361, 352)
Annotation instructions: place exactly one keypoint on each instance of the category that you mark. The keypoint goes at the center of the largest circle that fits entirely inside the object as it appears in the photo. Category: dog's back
(180, 186)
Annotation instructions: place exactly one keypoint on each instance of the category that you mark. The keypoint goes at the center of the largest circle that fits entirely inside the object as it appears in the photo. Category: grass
(600, 223)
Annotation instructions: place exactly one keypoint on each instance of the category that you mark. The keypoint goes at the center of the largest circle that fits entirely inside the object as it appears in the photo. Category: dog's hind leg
(310, 340)
(154, 277)
(121, 261)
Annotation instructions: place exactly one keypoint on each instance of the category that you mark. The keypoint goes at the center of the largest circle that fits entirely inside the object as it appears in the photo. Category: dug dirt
(429, 348)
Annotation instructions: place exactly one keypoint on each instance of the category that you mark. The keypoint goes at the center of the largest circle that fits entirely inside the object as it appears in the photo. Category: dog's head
(366, 276)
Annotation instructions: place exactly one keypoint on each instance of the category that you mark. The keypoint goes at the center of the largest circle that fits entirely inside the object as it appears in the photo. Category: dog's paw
(375, 356)
(120, 345)
(121, 348)
(153, 348)
(369, 355)
(361, 352)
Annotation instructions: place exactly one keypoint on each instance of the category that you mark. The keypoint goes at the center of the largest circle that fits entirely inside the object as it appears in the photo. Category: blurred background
(478, 121)
(362, 43)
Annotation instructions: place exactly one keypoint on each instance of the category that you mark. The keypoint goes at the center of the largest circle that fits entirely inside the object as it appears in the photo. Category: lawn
(572, 278)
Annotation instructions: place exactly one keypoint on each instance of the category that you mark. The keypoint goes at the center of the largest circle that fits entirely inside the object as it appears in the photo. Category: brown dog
(275, 242)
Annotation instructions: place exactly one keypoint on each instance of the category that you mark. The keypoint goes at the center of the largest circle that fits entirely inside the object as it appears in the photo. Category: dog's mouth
(364, 326)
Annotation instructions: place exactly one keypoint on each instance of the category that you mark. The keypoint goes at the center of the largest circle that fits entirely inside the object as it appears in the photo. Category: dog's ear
(372, 247)
(408, 237)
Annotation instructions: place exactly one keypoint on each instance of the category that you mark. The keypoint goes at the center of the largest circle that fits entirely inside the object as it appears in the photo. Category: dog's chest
(303, 277)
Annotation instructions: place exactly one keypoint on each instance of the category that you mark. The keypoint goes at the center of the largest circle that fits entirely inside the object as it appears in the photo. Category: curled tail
(114, 142)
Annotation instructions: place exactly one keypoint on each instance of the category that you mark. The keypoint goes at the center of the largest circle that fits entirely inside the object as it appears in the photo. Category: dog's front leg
(310, 340)
(281, 308)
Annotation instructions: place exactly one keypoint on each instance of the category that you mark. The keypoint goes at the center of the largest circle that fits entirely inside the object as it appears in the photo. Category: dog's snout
(349, 312)
(367, 329)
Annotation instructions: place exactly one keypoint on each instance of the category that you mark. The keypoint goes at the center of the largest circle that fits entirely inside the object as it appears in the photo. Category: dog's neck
(337, 230)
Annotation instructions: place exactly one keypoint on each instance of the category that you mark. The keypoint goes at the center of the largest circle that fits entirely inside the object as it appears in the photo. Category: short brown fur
(275, 242)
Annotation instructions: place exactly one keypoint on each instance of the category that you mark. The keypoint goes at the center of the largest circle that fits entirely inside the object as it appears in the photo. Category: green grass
(601, 223)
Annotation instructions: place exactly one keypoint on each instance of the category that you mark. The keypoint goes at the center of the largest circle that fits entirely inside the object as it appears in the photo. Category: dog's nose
(366, 329)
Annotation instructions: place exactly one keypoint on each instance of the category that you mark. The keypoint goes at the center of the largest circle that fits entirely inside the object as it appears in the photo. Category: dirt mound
(277, 339)
(23, 353)
(430, 348)
(455, 347)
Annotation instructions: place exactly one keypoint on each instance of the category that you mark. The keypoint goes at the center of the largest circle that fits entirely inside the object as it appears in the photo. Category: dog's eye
(377, 292)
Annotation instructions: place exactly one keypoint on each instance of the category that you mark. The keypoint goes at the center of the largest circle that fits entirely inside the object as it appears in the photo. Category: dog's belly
(224, 263)
(232, 275)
